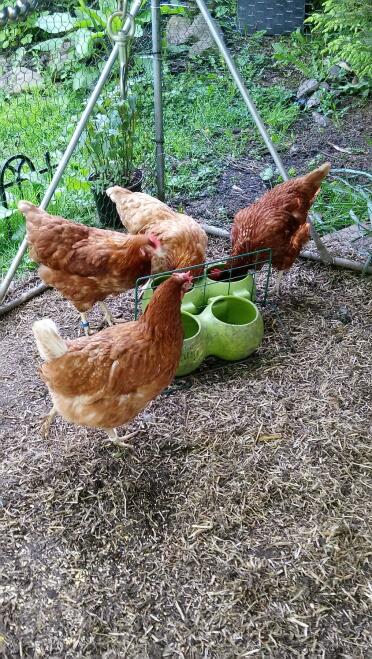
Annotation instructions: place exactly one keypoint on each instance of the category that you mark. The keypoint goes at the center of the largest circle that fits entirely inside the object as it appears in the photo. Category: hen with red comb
(86, 264)
(183, 239)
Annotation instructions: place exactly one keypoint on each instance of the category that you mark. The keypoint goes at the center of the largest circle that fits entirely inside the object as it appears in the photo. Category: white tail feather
(49, 342)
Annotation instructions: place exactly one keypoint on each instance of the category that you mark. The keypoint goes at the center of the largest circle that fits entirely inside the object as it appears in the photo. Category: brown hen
(277, 220)
(105, 380)
(183, 239)
(84, 263)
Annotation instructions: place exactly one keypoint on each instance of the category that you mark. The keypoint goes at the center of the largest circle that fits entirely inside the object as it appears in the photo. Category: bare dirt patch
(238, 525)
(240, 183)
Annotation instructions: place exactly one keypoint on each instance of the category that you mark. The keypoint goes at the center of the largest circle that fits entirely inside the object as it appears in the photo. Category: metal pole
(70, 149)
(158, 98)
(217, 36)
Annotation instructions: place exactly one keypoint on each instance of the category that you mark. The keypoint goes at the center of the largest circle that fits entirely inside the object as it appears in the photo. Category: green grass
(334, 205)
(32, 123)
(206, 125)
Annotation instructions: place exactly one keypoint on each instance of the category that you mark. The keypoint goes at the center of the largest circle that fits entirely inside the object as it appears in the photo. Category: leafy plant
(17, 34)
(83, 31)
(225, 12)
(82, 37)
(109, 141)
(303, 53)
(338, 206)
(346, 26)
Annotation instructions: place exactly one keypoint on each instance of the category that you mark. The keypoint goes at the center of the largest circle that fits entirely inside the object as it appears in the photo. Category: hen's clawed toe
(47, 421)
(120, 441)
(117, 442)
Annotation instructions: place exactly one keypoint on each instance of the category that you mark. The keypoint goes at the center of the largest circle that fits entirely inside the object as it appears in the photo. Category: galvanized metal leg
(70, 149)
(158, 97)
(217, 36)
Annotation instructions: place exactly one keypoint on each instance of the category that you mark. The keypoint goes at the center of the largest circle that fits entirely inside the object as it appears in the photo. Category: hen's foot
(279, 277)
(119, 441)
(103, 325)
(47, 421)
(109, 318)
(107, 314)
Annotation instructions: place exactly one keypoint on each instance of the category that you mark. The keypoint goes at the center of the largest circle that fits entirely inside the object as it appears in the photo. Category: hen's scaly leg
(278, 281)
(85, 323)
(110, 320)
(113, 435)
(107, 314)
(47, 422)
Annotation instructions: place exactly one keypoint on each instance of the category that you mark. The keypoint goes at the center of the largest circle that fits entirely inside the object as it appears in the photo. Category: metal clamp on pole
(20, 10)
(123, 39)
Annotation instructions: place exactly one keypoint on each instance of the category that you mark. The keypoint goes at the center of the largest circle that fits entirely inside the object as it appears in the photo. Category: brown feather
(183, 239)
(85, 264)
(278, 220)
(107, 379)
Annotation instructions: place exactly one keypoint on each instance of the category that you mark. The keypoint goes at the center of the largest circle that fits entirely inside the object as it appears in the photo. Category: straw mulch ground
(238, 526)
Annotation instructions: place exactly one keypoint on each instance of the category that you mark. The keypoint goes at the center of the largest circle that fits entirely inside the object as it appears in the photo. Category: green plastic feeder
(194, 344)
(234, 327)
(239, 286)
(230, 328)
(192, 302)
(204, 290)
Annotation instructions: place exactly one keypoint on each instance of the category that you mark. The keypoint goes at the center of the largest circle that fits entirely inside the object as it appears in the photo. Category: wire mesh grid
(246, 275)
(273, 16)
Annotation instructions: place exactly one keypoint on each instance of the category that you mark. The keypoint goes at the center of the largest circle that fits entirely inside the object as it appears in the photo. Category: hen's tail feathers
(49, 342)
(316, 177)
(26, 206)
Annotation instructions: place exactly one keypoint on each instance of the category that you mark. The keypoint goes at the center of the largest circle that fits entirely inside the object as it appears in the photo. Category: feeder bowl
(204, 289)
(230, 328)
(239, 285)
(194, 345)
(192, 301)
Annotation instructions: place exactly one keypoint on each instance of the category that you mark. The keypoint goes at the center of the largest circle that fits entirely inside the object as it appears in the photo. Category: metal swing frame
(117, 52)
